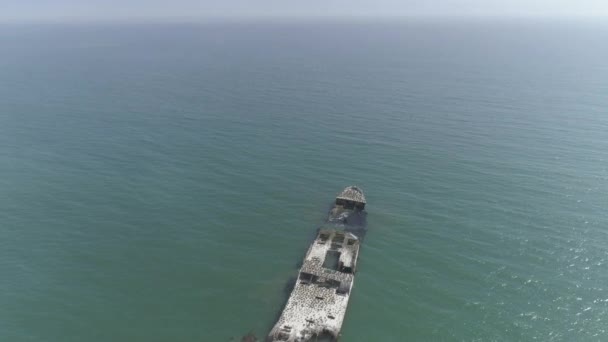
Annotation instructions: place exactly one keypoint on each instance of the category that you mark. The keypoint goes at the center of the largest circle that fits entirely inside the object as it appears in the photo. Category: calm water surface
(161, 182)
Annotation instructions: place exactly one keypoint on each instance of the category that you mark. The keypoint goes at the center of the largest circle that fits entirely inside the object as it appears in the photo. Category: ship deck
(318, 302)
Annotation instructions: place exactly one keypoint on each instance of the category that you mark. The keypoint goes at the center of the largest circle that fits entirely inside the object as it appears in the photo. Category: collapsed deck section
(348, 210)
(318, 302)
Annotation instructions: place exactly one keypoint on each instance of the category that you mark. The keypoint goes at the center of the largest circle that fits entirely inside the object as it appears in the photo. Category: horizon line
(256, 18)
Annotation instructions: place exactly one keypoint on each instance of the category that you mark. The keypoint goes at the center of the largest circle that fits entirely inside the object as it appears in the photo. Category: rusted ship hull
(317, 305)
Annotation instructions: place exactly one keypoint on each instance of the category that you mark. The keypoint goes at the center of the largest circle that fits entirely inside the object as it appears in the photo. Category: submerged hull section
(317, 305)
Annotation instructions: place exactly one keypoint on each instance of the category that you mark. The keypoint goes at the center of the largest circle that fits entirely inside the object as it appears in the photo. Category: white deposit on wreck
(317, 305)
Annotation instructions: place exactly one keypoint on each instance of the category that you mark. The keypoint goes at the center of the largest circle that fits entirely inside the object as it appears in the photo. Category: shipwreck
(317, 305)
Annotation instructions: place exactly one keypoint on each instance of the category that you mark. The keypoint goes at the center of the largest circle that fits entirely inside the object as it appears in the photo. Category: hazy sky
(17, 10)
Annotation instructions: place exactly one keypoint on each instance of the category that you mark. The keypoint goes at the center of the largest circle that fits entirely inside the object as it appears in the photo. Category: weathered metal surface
(317, 304)
(352, 193)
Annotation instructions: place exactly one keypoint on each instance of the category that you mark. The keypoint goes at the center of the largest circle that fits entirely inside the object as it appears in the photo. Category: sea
(161, 181)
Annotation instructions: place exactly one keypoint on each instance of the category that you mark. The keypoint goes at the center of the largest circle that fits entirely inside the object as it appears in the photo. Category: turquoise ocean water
(161, 182)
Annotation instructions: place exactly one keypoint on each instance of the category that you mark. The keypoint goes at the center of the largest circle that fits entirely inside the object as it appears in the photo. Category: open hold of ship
(317, 305)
